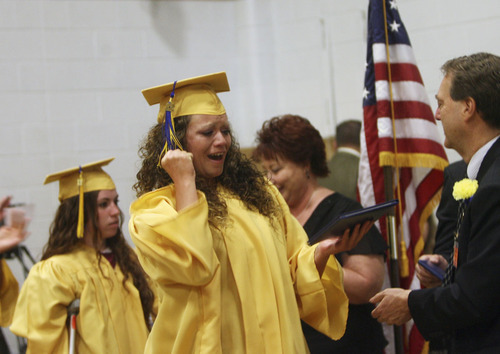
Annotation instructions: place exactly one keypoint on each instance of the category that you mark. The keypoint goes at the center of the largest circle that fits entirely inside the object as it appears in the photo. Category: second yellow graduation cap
(79, 180)
(196, 95)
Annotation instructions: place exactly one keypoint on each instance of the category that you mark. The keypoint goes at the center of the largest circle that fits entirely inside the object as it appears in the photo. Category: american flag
(415, 150)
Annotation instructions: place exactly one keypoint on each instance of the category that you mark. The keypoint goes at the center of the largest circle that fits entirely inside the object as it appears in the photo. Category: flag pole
(393, 249)
(389, 195)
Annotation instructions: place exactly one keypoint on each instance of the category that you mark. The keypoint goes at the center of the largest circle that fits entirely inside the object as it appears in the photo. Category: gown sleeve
(9, 290)
(174, 247)
(41, 311)
(322, 301)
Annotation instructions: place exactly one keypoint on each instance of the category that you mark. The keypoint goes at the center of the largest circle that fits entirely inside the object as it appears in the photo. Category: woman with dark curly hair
(234, 271)
(293, 153)
(86, 258)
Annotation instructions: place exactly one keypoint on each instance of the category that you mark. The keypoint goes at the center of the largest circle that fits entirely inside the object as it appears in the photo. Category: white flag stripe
(411, 206)
(401, 91)
(365, 184)
(399, 53)
(420, 173)
(407, 128)
(415, 284)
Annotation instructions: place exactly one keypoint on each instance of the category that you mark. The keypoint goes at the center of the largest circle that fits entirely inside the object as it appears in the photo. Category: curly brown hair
(294, 138)
(63, 240)
(240, 176)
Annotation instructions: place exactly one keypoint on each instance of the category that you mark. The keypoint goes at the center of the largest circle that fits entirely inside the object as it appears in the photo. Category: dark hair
(240, 176)
(477, 76)
(294, 138)
(347, 133)
(63, 240)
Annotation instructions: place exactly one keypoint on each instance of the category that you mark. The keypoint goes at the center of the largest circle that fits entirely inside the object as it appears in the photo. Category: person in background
(293, 154)
(233, 267)
(86, 258)
(10, 236)
(344, 164)
(467, 307)
(14, 234)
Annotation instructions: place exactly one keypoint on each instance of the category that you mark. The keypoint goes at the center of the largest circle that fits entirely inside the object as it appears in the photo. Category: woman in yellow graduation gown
(234, 271)
(9, 290)
(10, 236)
(86, 258)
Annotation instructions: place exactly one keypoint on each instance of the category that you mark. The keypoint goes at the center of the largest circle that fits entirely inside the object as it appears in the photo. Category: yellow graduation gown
(9, 290)
(111, 319)
(242, 289)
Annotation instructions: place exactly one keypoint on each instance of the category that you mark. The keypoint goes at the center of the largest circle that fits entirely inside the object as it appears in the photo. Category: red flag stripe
(410, 145)
(405, 109)
(399, 72)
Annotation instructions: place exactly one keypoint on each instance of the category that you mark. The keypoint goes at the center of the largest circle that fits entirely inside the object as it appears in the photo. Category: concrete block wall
(71, 72)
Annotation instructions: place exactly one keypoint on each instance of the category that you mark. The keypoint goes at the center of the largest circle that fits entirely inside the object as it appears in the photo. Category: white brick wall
(71, 73)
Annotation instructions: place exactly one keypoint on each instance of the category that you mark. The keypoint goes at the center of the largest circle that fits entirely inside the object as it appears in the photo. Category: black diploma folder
(347, 220)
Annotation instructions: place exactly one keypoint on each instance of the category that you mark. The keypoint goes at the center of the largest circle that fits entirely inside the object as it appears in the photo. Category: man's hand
(427, 279)
(392, 306)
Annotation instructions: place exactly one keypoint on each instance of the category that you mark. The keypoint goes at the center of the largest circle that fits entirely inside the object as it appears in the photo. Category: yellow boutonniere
(464, 189)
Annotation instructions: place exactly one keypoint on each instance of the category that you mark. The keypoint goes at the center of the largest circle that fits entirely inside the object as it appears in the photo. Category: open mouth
(216, 157)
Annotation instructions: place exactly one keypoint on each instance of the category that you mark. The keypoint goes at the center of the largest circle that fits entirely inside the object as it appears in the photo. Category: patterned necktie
(449, 275)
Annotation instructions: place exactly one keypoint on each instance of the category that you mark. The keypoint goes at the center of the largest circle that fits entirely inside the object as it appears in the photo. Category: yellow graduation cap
(196, 95)
(79, 180)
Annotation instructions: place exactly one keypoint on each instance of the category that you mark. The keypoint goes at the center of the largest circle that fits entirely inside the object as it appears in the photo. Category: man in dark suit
(446, 214)
(467, 309)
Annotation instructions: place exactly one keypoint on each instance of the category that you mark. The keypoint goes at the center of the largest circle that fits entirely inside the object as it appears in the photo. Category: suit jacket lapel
(492, 154)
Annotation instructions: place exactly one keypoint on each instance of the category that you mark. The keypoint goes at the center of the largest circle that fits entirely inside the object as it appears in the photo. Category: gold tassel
(80, 228)
(404, 268)
(163, 152)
